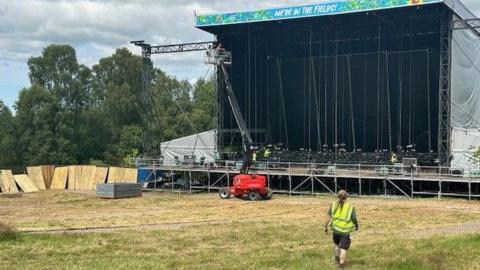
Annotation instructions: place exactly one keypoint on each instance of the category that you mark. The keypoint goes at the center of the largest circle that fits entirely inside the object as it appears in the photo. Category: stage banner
(326, 8)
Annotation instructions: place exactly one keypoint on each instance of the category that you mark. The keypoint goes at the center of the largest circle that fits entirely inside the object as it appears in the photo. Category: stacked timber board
(81, 177)
(67, 177)
(86, 177)
(119, 190)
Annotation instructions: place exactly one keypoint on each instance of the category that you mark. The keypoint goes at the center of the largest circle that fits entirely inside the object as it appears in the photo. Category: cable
(283, 101)
(388, 104)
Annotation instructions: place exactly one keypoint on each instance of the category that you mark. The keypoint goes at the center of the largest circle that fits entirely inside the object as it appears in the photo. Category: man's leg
(336, 247)
(343, 255)
(336, 252)
(344, 246)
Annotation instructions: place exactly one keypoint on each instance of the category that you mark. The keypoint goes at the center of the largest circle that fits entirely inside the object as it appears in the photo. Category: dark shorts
(342, 240)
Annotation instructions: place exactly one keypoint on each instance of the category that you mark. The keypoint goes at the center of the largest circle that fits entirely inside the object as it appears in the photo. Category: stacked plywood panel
(25, 183)
(36, 174)
(59, 179)
(7, 182)
(119, 190)
(71, 177)
(83, 177)
(122, 175)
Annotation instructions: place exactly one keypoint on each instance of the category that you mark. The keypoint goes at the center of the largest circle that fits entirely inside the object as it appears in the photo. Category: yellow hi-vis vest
(342, 218)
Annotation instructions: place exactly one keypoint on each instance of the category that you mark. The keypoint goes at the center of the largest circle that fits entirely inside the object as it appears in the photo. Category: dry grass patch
(172, 231)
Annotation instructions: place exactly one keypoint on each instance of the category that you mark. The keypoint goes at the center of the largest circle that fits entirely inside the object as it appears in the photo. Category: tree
(73, 114)
(8, 142)
(203, 113)
(45, 128)
(58, 71)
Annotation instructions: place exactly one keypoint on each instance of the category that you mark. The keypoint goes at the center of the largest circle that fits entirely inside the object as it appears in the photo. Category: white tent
(199, 145)
(465, 97)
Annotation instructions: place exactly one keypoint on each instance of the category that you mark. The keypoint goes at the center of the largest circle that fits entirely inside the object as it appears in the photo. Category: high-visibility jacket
(342, 217)
(254, 157)
(267, 153)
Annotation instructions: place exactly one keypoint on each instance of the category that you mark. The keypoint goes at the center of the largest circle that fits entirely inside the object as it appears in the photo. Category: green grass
(233, 246)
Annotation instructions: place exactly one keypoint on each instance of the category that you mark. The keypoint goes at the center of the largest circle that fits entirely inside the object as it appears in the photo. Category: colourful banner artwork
(327, 8)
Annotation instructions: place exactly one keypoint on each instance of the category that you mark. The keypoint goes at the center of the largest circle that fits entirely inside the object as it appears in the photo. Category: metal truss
(147, 94)
(473, 24)
(444, 115)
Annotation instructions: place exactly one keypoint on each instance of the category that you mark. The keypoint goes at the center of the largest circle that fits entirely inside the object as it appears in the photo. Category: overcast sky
(95, 28)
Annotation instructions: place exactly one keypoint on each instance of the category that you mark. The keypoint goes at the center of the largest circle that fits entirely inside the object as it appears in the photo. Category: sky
(96, 28)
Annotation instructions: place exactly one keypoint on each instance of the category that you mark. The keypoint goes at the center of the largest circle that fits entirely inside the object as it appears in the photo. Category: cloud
(97, 27)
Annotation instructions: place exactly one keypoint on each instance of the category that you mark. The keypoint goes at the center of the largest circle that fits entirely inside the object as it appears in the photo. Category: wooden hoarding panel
(59, 179)
(47, 172)
(7, 182)
(100, 176)
(35, 173)
(25, 183)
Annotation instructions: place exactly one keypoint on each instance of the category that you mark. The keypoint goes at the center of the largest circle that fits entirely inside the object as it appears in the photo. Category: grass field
(64, 230)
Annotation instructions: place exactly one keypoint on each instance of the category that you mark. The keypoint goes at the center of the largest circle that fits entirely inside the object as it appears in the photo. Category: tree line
(73, 114)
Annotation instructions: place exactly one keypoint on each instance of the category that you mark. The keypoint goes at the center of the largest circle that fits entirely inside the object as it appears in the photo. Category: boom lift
(244, 184)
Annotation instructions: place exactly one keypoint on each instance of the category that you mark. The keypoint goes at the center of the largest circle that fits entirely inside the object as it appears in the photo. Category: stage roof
(322, 9)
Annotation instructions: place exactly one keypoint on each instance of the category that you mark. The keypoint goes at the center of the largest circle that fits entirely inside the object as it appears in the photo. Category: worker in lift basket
(343, 221)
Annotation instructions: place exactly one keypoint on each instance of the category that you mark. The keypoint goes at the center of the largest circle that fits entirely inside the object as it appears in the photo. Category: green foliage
(76, 115)
(8, 156)
(475, 158)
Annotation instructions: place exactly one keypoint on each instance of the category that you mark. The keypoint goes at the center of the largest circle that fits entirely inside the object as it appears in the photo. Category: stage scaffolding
(327, 179)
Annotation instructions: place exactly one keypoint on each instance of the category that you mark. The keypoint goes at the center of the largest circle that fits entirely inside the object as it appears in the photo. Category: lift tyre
(224, 193)
(253, 195)
(269, 194)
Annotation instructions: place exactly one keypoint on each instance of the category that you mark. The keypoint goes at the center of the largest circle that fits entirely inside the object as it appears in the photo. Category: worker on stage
(267, 152)
(343, 220)
(393, 159)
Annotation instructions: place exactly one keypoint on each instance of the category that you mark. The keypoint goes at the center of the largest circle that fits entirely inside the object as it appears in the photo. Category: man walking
(343, 220)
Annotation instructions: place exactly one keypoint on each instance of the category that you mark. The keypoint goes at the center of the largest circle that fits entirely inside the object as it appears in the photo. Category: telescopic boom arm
(221, 58)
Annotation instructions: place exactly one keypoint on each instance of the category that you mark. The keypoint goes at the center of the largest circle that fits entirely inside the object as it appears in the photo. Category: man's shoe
(341, 265)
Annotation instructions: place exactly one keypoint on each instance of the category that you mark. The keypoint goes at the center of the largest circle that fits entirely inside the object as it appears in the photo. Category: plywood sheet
(35, 173)
(122, 175)
(100, 176)
(47, 172)
(130, 175)
(7, 182)
(87, 177)
(59, 179)
(72, 177)
(25, 183)
(115, 175)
